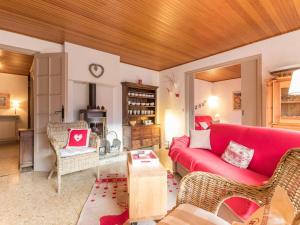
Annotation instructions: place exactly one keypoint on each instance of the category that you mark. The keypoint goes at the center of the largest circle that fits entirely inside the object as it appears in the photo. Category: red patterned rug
(108, 201)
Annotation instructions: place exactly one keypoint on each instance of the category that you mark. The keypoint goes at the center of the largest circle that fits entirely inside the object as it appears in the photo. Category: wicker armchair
(58, 137)
(208, 191)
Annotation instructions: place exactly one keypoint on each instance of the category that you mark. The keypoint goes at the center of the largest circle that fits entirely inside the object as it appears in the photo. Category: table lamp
(16, 105)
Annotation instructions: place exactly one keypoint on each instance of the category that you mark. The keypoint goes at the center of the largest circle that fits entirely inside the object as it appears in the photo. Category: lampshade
(15, 104)
(295, 83)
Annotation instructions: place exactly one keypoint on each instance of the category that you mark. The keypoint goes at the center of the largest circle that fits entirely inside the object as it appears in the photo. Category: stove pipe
(92, 96)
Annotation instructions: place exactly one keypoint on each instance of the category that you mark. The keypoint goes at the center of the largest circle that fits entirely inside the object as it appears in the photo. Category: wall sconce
(295, 83)
(213, 102)
(15, 104)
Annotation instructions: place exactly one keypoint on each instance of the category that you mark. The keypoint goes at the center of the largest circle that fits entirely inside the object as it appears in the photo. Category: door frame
(189, 90)
(26, 52)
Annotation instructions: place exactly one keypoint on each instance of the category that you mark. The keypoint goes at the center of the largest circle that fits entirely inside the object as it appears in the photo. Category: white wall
(224, 91)
(134, 73)
(275, 52)
(109, 90)
(27, 44)
(111, 97)
(79, 59)
(202, 90)
(17, 87)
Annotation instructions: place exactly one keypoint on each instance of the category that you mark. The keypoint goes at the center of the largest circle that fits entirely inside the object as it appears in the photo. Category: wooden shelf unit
(283, 110)
(140, 135)
(138, 89)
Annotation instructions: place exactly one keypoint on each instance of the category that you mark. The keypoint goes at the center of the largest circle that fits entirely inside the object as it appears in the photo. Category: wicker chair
(208, 191)
(58, 137)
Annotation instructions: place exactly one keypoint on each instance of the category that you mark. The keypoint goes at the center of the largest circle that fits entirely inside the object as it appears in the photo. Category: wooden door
(49, 102)
(249, 93)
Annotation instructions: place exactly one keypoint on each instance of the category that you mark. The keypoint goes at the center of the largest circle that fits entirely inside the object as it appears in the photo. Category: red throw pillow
(78, 138)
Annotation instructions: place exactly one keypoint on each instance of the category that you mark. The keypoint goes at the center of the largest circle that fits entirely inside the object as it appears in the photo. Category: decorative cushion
(191, 215)
(76, 151)
(200, 139)
(204, 125)
(78, 138)
(238, 155)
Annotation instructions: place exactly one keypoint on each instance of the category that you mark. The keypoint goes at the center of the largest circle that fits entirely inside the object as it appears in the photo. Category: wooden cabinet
(26, 148)
(141, 136)
(283, 110)
(140, 108)
(9, 128)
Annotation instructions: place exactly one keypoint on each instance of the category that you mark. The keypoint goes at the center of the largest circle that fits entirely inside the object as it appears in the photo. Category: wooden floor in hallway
(9, 159)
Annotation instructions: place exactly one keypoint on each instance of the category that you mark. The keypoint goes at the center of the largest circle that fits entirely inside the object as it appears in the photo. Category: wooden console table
(147, 188)
(9, 128)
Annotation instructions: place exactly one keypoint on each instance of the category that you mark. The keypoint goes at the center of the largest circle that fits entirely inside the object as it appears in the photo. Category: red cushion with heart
(78, 138)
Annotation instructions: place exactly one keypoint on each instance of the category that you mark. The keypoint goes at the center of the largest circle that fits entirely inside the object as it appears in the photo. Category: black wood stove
(94, 115)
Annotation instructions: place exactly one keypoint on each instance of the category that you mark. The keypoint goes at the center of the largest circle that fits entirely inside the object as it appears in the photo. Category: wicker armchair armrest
(208, 191)
(297, 219)
(56, 146)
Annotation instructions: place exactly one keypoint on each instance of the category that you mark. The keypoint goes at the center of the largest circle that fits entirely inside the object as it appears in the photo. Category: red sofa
(269, 146)
(198, 119)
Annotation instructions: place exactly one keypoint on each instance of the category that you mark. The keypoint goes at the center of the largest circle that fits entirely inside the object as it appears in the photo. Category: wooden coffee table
(147, 188)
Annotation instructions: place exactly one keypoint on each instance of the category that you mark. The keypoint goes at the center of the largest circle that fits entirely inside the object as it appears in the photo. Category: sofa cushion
(200, 139)
(206, 161)
(186, 214)
(270, 144)
(238, 155)
(78, 138)
(76, 151)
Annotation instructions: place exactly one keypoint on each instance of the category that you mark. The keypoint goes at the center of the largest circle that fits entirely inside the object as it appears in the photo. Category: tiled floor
(31, 199)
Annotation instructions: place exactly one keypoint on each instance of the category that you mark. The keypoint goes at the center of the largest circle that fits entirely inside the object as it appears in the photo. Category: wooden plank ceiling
(220, 74)
(15, 63)
(155, 34)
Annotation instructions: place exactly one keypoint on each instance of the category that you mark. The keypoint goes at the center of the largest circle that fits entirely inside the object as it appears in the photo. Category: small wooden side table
(147, 188)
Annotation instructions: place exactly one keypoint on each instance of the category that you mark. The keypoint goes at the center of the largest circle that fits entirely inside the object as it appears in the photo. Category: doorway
(16, 106)
(217, 93)
(228, 92)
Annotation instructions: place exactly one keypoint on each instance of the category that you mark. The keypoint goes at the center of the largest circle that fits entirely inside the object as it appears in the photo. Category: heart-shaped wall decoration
(96, 70)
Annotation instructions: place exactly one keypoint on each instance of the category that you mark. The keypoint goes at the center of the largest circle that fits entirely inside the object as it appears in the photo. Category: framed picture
(4, 101)
(237, 100)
